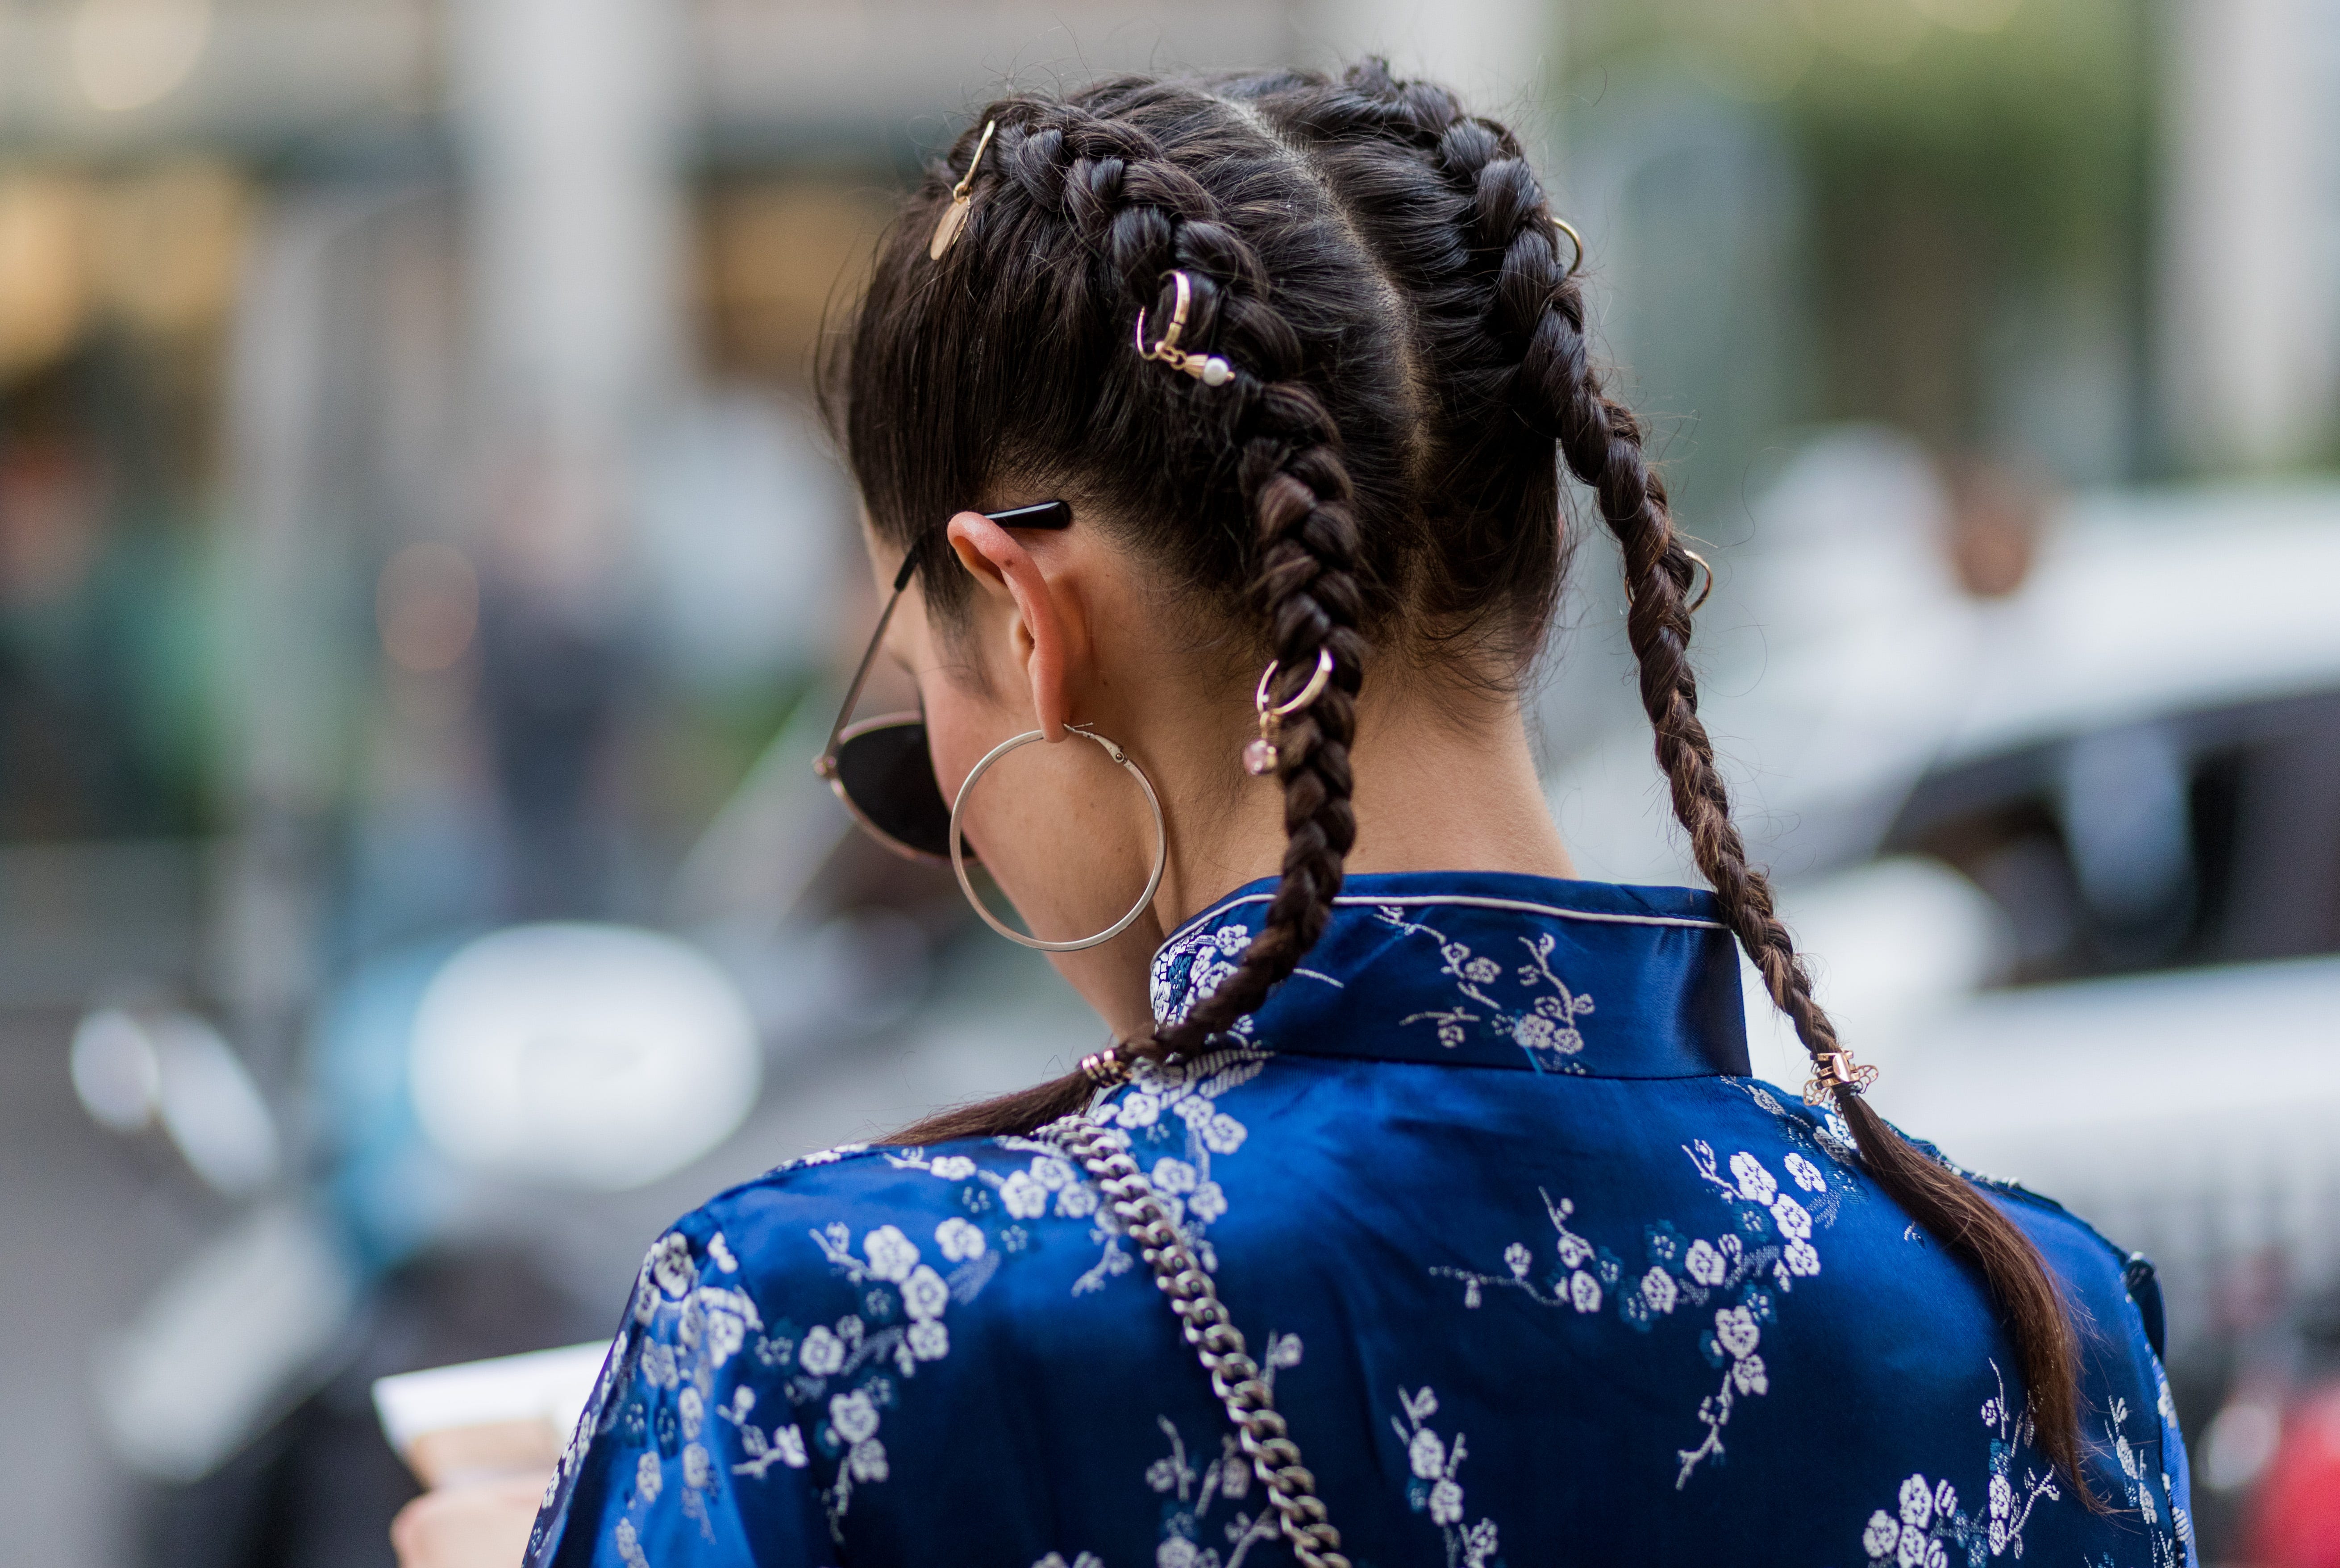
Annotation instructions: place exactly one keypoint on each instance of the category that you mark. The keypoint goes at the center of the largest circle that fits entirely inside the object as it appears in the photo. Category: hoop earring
(1160, 844)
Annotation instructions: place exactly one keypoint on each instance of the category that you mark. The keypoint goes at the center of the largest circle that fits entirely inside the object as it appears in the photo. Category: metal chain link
(1234, 1376)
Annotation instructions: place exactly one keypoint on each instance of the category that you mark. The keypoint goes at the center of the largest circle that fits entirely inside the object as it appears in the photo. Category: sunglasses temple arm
(869, 657)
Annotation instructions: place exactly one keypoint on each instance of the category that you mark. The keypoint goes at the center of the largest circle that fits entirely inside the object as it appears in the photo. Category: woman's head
(1346, 283)
(1379, 472)
(1378, 482)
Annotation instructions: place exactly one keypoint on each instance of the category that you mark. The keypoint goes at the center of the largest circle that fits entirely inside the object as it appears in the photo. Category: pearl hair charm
(1211, 370)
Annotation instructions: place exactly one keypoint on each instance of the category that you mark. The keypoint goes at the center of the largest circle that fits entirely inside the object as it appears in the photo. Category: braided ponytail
(1537, 326)
(1141, 217)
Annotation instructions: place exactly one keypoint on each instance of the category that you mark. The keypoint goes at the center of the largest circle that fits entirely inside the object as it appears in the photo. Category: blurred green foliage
(2031, 114)
(1971, 174)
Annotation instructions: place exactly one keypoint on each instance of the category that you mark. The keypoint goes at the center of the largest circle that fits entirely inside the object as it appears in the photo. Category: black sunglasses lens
(890, 780)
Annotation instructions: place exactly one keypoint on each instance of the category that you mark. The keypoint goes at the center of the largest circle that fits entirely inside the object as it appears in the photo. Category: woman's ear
(1000, 565)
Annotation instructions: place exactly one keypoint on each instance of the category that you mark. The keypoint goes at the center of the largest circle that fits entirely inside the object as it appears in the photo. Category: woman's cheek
(1005, 816)
(958, 734)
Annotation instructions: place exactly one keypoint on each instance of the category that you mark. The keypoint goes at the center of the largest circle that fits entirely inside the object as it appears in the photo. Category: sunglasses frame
(1050, 515)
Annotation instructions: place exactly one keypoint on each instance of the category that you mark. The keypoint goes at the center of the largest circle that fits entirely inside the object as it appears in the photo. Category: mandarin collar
(1486, 969)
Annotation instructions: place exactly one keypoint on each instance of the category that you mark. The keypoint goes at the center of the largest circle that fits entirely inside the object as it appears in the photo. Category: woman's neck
(1432, 796)
(1442, 782)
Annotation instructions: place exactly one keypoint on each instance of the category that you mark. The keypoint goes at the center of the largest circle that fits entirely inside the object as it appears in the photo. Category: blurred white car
(2068, 861)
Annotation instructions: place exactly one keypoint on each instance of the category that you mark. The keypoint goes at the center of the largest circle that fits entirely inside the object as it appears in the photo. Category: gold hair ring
(1105, 1068)
(1565, 227)
(1209, 369)
(1834, 1072)
(1260, 756)
(1704, 593)
(953, 218)
(1708, 591)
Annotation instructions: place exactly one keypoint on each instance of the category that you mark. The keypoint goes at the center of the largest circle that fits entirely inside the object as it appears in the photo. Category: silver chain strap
(1234, 1376)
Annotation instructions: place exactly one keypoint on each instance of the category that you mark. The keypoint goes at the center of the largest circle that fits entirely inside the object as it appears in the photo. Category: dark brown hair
(1381, 271)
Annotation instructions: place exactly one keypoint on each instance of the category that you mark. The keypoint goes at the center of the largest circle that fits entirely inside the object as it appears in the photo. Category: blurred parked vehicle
(567, 1057)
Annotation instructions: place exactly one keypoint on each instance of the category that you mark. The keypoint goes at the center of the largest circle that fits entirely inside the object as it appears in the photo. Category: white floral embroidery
(821, 1156)
(1831, 1137)
(1191, 967)
(685, 1333)
(891, 1254)
(1056, 1559)
(957, 1240)
(1734, 1277)
(821, 1353)
(1928, 1523)
(1754, 1183)
(669, 1264)
(924, 1294)
(2166, 1525)
(853, 1416)
(846, 1371)
(786, 1445)
(1024, 1197)
(1173, 1176)
(906, 1298)
(2181, 1523)
(1193, 1494)
(1434, 1488)
(1170, 1117)
(1544, 1028)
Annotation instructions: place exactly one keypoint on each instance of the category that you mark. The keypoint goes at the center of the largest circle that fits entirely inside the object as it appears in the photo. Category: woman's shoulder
(796, 1325)
(890, 1237)
(1003, 1179)
(2099, 1270)
(2111, 1286)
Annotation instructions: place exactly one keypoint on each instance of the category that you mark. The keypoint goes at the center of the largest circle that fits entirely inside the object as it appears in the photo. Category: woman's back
(1540, 1274)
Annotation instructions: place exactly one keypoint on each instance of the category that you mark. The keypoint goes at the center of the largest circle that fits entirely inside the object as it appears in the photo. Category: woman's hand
(476, 1525)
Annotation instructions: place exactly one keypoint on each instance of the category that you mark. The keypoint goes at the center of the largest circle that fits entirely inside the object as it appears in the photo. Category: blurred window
(2207, 837)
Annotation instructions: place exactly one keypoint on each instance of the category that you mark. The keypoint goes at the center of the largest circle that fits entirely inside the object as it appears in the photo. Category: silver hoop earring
(1161, 843)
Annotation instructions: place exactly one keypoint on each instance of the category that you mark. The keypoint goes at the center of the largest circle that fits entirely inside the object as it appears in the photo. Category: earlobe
(998, 562)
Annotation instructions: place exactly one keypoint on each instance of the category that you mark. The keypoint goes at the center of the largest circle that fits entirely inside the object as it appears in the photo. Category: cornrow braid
(1141, 217)
(1535, 322)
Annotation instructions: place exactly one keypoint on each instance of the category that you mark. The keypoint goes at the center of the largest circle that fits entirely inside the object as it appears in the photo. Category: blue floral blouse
(1540, 1274)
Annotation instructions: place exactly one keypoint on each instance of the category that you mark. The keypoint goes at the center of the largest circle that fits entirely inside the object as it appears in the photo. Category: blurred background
(423, 587)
